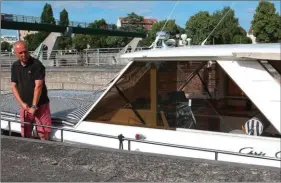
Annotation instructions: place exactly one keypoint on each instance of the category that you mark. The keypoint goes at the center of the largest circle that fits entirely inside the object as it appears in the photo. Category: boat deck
(28, 160)
(67, 106)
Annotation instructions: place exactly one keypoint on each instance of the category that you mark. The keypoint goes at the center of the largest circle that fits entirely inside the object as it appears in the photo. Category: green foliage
(134, 22)
(97, 41)
(228, 28)
(34, 40)
(241, 39)
(6, 46)
(98, 24)
(229, 31)
(47, 15)
(64, 20)
(266, 23)
(266, 27)
(199, 26)
(117, 42)
(80, 42)
(64, 42)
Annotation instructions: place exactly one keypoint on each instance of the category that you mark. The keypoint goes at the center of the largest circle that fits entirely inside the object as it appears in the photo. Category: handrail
(34, 19)
(121, 138)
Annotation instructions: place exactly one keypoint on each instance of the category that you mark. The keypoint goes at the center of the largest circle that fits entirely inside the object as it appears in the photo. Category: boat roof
(216, 52)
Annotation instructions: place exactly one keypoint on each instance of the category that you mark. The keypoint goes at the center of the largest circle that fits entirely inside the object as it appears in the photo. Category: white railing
(121, 139)
(87, 57)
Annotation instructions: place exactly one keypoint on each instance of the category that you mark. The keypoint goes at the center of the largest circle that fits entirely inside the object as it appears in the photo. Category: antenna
(157, 38)
(203, 43)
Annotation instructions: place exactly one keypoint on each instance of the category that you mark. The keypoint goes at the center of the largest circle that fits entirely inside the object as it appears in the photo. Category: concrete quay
(28, 160)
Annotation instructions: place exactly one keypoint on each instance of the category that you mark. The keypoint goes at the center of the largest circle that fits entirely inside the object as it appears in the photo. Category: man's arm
(39, 81)
(37, 91)
(17, 96)
(15, 89)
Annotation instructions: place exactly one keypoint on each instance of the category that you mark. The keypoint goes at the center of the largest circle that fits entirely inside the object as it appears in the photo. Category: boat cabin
(192, 88)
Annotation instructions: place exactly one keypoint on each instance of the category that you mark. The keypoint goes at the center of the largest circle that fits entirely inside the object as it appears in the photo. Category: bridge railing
(60, 58)
(32, 19)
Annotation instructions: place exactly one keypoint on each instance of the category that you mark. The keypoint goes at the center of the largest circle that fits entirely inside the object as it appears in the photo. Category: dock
(28, 160)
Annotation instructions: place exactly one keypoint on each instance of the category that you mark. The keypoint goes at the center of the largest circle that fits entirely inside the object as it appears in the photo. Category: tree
(64, 20)
(34, 40)
(228, 28)
(47, 16)
(98, 24)
(199, 26)
(117, 42)
(80, 42)
(134, 22)
(65, 42)
(241, 37)
(266, 23)
(97, 41)
(5, 46)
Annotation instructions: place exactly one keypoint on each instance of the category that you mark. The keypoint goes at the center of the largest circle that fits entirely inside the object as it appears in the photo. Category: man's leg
(26, 129)
(43, 117)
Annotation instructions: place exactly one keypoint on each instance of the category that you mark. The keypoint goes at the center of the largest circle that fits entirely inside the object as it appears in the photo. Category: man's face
(21, 52)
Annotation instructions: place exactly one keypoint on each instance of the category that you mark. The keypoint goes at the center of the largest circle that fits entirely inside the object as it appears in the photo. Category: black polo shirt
(25, 77)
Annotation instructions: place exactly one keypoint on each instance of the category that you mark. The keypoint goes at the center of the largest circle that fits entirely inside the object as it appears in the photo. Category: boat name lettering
(250, 150)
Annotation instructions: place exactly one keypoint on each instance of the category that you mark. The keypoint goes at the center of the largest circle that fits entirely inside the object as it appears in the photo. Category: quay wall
(79, 78)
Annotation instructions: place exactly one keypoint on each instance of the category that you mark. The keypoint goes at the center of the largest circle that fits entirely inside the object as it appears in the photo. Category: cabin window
(157, 95)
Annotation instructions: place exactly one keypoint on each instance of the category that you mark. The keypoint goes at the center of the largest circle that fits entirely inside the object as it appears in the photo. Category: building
(147, 22)
(23, 33)
(9, 38)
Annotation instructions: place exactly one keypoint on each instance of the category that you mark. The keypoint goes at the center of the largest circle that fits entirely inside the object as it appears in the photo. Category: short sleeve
(13, 74)
(40, 73)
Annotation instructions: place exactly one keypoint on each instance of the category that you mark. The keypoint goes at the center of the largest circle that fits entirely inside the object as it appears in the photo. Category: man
(30, 91)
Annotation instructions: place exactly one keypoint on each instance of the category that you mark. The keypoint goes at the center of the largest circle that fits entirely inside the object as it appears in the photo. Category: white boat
(150, 99)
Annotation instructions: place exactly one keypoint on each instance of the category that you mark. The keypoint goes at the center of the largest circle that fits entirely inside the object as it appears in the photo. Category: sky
(89, 11)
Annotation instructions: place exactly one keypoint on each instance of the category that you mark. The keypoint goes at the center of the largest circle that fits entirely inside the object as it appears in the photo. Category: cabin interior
(186, 94)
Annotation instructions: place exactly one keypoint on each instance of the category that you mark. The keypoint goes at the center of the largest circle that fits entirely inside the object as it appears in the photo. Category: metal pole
(87, 57)
(216, 156)
(61, 135)
(129, 145)
(9, 124)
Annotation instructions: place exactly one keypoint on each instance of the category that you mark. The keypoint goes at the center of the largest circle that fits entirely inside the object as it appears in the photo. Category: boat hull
(237, 143)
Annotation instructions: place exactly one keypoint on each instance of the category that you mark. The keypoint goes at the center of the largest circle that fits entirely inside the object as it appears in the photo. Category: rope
(155, 42)
(203, 43)
(170, 15)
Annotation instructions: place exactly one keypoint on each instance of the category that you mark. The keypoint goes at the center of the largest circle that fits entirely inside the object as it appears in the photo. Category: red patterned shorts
(42, 116)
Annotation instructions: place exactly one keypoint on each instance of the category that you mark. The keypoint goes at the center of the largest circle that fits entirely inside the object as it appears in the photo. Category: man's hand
(31, 110)
(24, 106)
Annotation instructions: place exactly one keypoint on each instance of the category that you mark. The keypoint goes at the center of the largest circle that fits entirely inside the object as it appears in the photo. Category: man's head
(21, 51)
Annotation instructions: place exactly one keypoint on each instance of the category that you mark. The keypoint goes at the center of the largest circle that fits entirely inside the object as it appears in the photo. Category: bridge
(30, 23)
